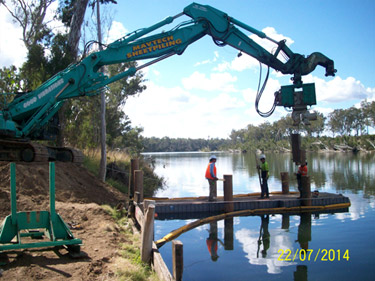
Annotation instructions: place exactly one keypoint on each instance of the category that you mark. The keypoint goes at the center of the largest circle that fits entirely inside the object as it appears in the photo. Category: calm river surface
(338, 246)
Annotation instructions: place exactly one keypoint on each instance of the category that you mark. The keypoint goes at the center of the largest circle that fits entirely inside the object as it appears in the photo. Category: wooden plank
(134, 165)
(147, 203)
(138, 183)
(147, 234)
(177, 259)
(284, 182)
(306, 191)
(139, 215)
(228, 194)
(159, 266)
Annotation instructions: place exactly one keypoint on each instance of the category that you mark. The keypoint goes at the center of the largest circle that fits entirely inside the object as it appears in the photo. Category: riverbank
(310, 144)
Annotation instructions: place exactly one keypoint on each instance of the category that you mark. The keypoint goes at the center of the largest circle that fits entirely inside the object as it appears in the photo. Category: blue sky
(208, 91)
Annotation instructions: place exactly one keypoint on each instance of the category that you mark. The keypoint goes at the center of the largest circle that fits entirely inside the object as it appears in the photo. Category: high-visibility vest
(302, 170)
(211, 245)
(211, 171)
(264, 168)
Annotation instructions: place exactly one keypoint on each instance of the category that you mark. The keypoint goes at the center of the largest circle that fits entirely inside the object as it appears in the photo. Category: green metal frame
(35, 224)
(305, 96)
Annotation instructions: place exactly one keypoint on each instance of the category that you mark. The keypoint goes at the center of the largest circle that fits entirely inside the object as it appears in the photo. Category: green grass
(118, 185)
(151, 181)
(92, 164)
(130, 250)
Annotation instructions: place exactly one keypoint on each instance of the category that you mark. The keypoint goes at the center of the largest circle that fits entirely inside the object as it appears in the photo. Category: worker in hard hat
(263, 167)
(212, 178)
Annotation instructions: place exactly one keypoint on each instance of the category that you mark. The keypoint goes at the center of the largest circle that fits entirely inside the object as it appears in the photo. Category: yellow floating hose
(177, 232)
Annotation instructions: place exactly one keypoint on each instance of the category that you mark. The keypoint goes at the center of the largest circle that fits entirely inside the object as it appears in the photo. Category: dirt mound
(101, 238)
(73, 184)
(79, 195)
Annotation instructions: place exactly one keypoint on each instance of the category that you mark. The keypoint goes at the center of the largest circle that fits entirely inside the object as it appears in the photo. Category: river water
(334, 246)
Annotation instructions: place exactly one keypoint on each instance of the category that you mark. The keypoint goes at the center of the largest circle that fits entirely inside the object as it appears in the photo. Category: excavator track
(23, 151)
(66, 154)
(26, 151)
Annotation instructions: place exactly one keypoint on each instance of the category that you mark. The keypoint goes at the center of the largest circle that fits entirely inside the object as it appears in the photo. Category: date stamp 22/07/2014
(313, 255)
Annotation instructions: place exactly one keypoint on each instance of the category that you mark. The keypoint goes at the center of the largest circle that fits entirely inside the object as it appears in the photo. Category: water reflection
(251, 244)
(212, 241)
(264, 236)
(301, 273)
(346, 171)
(228, 234)
(304, 231)
(332, 172)
(268, 246)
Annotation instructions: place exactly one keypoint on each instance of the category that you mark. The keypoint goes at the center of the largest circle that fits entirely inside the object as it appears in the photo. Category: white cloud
(241, 63)
(225, 102)
(339, 90)
(324, 110)
(176, 112)
(335, 91)
(256, 254)
(210, 105)
(244, 62)
(55, 25)
(269, 45)
(222, 82)
(249, 95)
(209, 61)
(271, 33)
(203, 62)
(268, 97)
(116, 32)
(12, 49)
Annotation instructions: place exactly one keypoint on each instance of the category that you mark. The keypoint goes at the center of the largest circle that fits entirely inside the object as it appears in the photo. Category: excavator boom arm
(27, 114)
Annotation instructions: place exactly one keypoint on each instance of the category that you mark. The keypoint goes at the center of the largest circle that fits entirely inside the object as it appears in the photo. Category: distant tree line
(341, 124)
(353, 120)
(167, 144)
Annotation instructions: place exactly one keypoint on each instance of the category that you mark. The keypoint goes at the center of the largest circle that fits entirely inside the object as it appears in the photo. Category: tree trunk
(73, 42)
(75, 26)
(103, 159)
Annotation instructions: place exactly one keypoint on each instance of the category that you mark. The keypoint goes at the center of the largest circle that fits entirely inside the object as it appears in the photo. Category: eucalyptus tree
(368, 109)
(10, 82)
(317, 126)
(336, 122)
(355, 121)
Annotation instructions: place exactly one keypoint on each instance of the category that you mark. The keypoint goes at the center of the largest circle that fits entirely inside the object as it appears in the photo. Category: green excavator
(26, 117)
